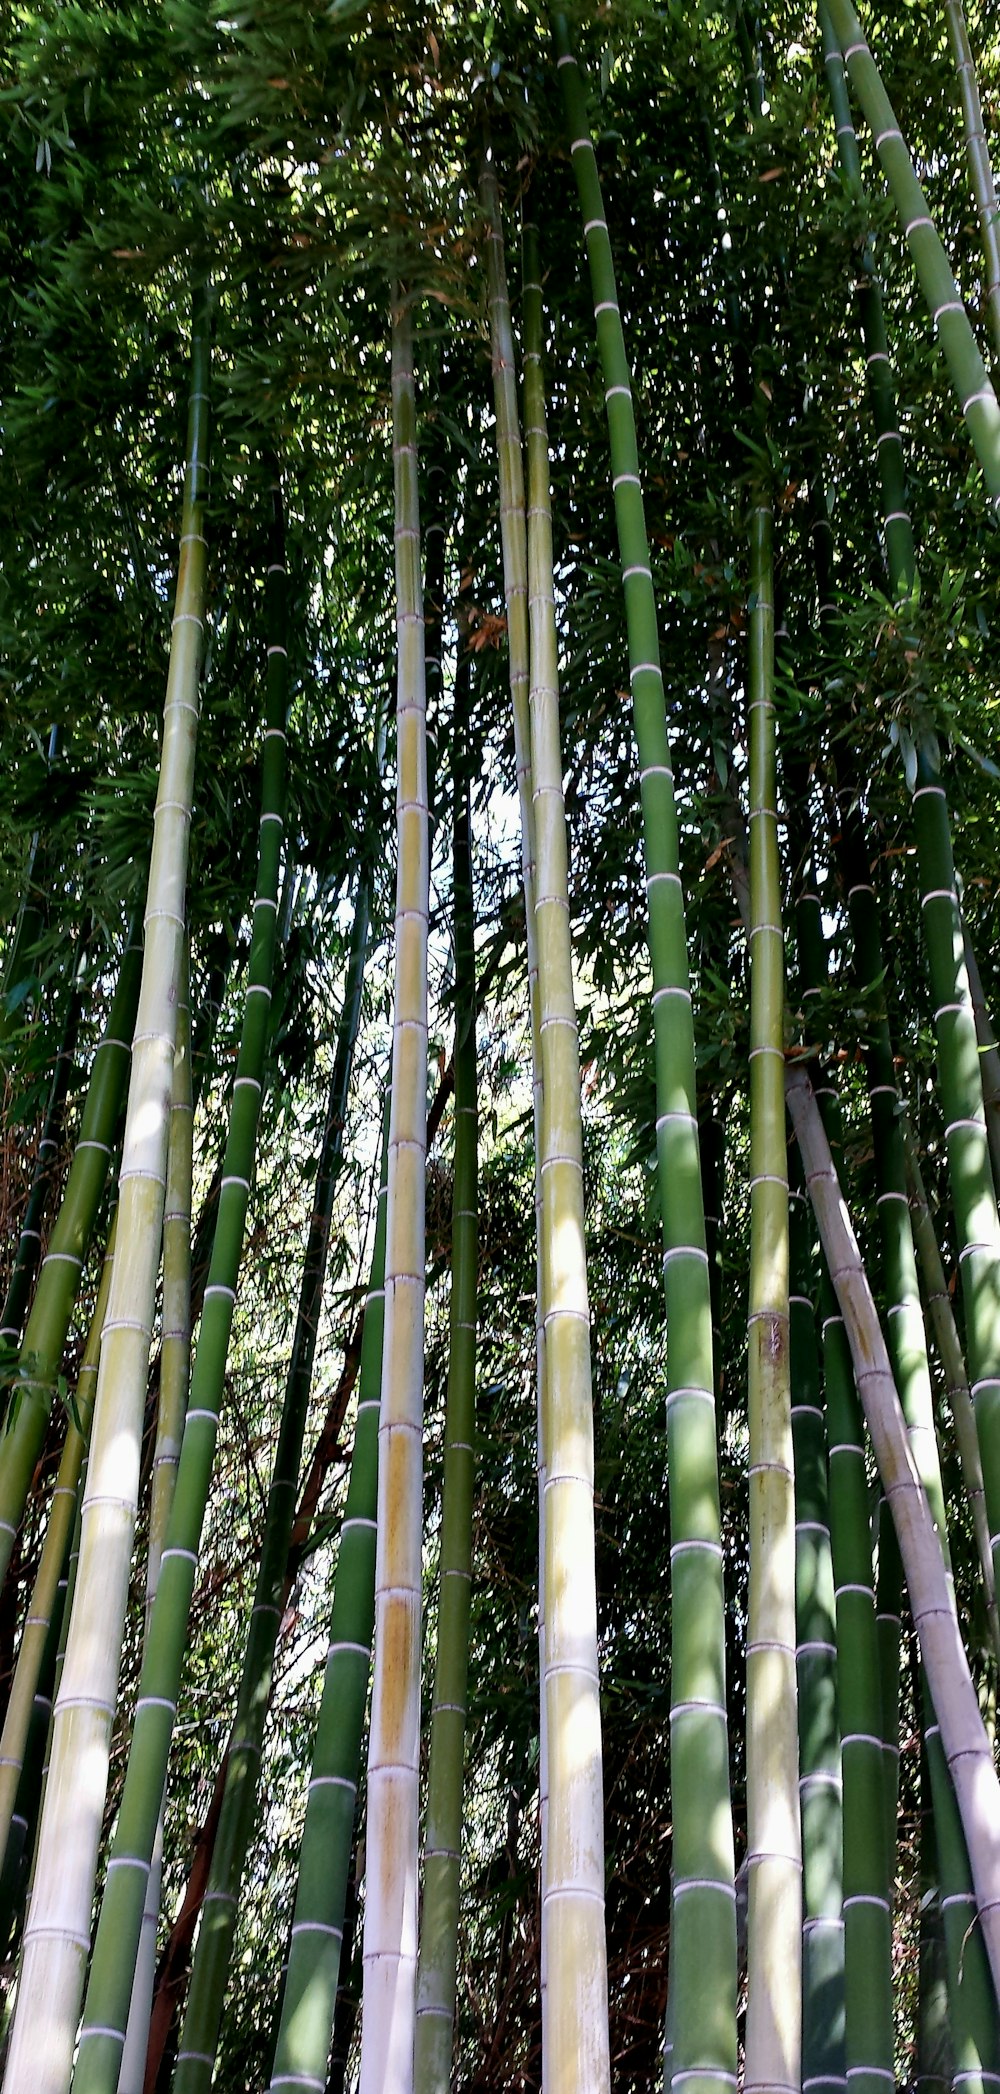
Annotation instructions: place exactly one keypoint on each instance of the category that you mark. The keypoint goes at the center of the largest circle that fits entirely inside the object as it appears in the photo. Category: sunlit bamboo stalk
(981, 174)
(392, 1828)
(57, 1933)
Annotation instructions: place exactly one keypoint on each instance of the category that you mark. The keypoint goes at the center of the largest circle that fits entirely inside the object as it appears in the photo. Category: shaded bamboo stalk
(774, 1924)
(44, 1177)
(119, 1921)
(45, 1332)
(438, 1952)
(966, 1746)
(305, 2026)
(57, 1933)
(392, 1836)
(213, 1954)
(980, 166)
(989, 1056)
(704, 1898)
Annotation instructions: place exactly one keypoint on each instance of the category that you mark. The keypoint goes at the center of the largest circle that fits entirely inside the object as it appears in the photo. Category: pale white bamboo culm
(57, 1932)
(392, 1830)
(175, 1368)
(575, 2045)
(963, 1736)
(514, 555)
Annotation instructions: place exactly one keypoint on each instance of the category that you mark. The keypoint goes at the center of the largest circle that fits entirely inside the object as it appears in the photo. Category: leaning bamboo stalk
(302, 2044)
(213, 1952)
(968, 372)
(44, 1602)
(575, 2052)
(45, 1332)
(704, 1898)
(966, 1747)
(175, 1370)
(439, 1914)
(392, 1836)
(119, 1922)
(774, 1925)
(57, 1934)
(980, 165)
(989, 1056)
(44, 1177)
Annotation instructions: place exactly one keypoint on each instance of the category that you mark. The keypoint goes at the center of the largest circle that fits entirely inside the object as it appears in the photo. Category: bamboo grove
(499, 1171)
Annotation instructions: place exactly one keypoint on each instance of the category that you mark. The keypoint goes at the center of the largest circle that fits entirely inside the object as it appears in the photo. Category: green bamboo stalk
(966, 1747)
(45, 1333)
(989, 1056)
(980, 166)
(774, 1928)
(302, 2045)
(120, 1919)
(956, 1378)
(44, 1604)
(704, 1901)
(575, 2052)
(175, 1370)
(210, 1968)
(438, 1951)
(969, 1170)
(29, 1242)
(820, 1780)
(966, 367)
(392, 1837)
(57, 1935)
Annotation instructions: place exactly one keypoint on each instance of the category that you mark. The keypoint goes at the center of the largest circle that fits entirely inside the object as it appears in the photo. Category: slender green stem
(703, 1906)
(981, 175)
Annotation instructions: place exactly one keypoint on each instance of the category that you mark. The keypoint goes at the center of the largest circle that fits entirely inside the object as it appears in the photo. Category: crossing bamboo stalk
(392, 1827)
(963, 1737)
(704, 1899)
(57, 1933)
(980, 165)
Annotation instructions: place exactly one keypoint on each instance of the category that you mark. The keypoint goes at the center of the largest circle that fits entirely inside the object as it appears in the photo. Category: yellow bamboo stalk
(392, 1832)
(575, 2046)
(57, 1933)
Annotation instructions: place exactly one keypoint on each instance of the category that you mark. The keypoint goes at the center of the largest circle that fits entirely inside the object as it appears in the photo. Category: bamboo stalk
(29, 1242)
(966, 1747)
(774, 1854)
(438, 1952)
(119, 1922)
(704, 1898)
(57, 1934)
(302, 2044)
(989, 1056)
(392, 1837)
(980, 166)
(45, 1333)
(213, 1952)
(968, 372)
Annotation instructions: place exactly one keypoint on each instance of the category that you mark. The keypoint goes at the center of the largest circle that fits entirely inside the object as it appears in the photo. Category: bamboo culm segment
(980, 166)
(439, 1914)
(966, 1746)
(392, 1837)
(704, 1903)
(175, 1370)
(44, 1604)
(969, 1170)
(302, 2046)
(575, 2046)
(29, 1241)
(45, 1334)
(820, 1786)
(57, 1934)
(213, 1951)
(968, 372)
(120, 1919)
(774, 1925)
